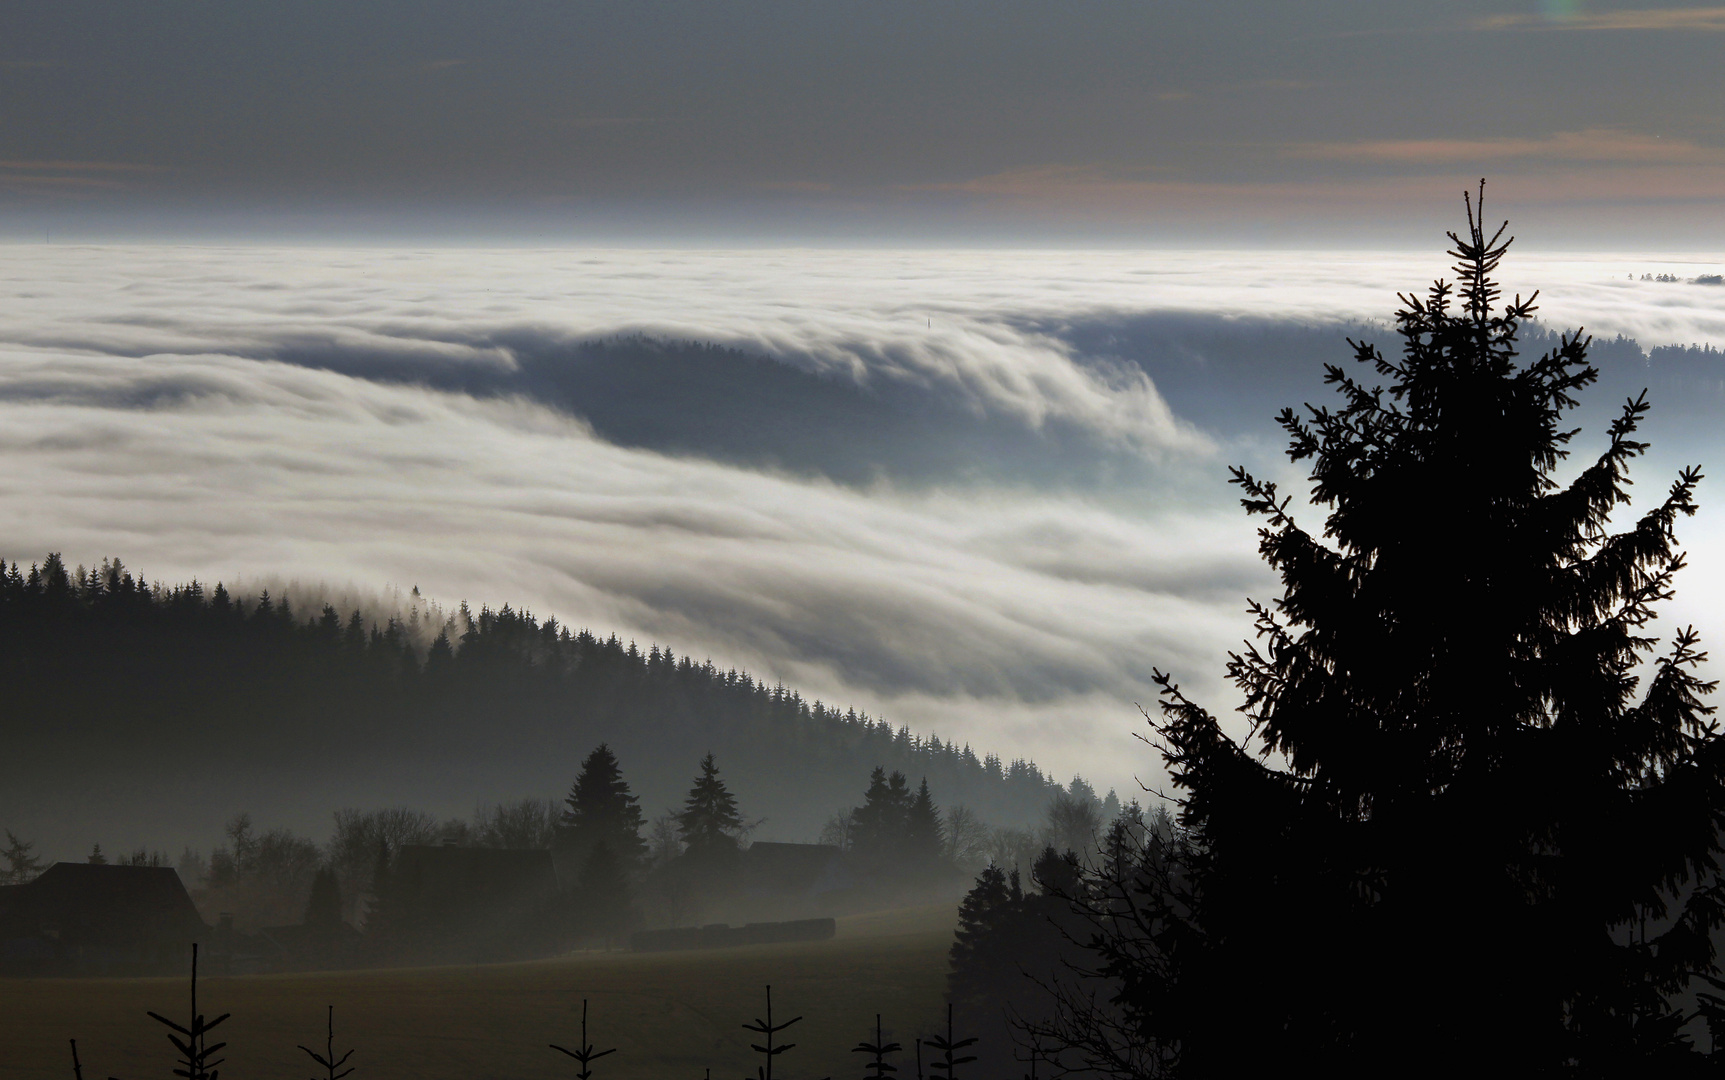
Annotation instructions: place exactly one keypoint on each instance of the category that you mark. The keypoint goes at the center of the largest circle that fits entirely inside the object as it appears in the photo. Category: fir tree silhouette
(878, 836)
(327, 1059)
(709, 822)
(323, 907)
(924, 835)
(768, 1030)
(1463, 833)
(22, 864)
(587, 1054)
(946, 1066)
(602, 810)
(191, 1040)
(878, 1067)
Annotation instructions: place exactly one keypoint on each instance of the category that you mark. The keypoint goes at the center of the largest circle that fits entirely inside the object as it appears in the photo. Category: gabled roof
(99, 903)
(803, 858)
(793, 867)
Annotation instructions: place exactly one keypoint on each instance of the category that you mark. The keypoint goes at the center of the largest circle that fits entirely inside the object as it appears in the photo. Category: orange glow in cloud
(1703, 19)
(1593, 145)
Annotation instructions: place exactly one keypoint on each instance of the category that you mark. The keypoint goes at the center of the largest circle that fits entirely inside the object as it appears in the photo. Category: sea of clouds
(979, 493)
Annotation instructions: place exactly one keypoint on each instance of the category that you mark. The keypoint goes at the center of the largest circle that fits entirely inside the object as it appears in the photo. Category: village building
(794, 879)
(94, 919)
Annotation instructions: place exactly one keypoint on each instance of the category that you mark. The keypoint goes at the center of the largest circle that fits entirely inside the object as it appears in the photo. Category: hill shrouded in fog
(981, 493)
(150, 713)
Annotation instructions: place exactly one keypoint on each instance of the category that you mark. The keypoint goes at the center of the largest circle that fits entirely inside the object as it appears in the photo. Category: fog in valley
(975, 495)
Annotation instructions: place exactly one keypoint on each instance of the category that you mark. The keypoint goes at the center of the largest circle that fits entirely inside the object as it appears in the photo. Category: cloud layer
(982, 494)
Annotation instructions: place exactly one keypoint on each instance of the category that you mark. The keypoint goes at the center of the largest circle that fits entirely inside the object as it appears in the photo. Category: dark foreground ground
(672, 1016)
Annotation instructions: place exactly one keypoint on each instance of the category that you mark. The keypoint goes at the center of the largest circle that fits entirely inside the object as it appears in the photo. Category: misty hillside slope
(140, 714)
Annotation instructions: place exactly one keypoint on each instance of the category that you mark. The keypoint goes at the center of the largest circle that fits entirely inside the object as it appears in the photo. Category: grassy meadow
(672, 1016)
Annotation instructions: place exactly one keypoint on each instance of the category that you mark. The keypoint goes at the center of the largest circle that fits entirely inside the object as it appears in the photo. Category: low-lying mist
(978, 494)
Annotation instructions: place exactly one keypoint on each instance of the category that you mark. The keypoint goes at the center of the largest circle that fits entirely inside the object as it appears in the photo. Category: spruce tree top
(709, 820)
(1455, 795)
(924, 834)
(881, 819)
(602, 810)
(601, 804)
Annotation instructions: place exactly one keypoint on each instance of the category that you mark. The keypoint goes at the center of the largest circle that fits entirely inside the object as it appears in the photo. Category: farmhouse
(81, 918)
(794, 870)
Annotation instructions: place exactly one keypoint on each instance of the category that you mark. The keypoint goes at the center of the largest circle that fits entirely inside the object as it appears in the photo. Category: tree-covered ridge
(121, 672)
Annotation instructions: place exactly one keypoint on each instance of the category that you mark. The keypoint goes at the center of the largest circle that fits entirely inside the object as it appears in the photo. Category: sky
(895, 351)
(863, 122)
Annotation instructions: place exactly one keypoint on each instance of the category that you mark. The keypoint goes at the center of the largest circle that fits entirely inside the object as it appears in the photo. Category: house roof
(106, 903)
(794, 867)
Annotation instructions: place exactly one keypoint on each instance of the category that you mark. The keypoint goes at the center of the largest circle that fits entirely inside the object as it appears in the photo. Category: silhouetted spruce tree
(353, 637)
(601, 810)
(769, 1031)
(1058, 874)
(22, 864)
(878, 1067)
(946, 1066)
(588, 1053)
(441, 656)
(1011, 946)
(1462, 834)
(332, 1065)
(197, 1057)
(978, 959)
(323, 908)
(709, 822)
(878, 832)
(924, 836)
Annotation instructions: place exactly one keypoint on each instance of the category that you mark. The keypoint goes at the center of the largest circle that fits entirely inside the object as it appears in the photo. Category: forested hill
(165, 709)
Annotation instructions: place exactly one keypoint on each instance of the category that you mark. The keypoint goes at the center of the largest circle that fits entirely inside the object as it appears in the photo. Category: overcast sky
(977, 121)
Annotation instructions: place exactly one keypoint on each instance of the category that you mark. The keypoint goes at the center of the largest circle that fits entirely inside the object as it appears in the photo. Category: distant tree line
(632, 871)
(385, 886)
(615, 871)
(182, 664)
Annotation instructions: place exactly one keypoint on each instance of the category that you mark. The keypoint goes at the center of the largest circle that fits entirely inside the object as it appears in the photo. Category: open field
(671, 1015)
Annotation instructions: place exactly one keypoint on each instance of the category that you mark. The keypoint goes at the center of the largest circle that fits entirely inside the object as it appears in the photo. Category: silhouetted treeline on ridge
(125, 678)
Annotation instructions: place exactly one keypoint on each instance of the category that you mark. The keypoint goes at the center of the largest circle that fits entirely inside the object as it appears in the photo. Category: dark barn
(81, 918)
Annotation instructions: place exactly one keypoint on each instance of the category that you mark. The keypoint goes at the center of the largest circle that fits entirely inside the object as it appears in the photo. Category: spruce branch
(192, 1041)
(945, 1067)
(879, 1067)
(586, 1055)
(327, 1059)
(768, 1030)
